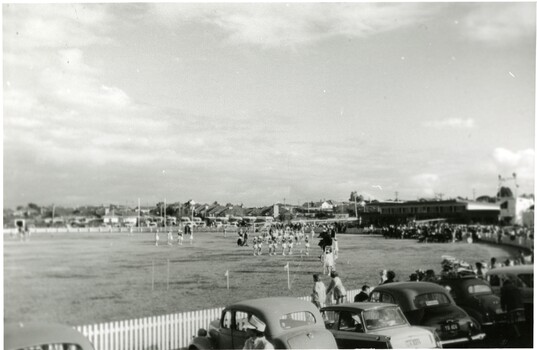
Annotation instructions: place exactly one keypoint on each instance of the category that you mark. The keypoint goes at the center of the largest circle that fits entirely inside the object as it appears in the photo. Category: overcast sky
(254, 103)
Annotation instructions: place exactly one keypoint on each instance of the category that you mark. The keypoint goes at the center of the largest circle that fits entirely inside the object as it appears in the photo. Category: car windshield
(297, 319)
(431, 299)
(479, 289)
(387, 317)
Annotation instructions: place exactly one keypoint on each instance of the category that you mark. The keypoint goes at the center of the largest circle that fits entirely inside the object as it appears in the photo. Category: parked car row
(450, 312)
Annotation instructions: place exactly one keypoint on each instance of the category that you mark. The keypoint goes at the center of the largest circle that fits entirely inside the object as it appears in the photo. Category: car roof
(406, 292)
(512, 269)
(270, 310)
(276, 305)
(462, 281)
(359, 306)
(416, 287)
(24, 335)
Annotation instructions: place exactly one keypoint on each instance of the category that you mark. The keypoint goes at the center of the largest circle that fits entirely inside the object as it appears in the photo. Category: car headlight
(471, 327)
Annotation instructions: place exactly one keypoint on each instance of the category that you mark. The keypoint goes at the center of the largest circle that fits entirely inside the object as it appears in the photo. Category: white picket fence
(166, 332)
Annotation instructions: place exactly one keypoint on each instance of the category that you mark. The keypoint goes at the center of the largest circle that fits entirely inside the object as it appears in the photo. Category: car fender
(201, 343)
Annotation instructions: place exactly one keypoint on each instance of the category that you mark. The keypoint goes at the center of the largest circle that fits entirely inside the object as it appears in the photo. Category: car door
(349, 331)
(225, 337)
(239, 334)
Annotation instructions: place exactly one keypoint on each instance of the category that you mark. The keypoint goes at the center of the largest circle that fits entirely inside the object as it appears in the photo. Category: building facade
(453, 210)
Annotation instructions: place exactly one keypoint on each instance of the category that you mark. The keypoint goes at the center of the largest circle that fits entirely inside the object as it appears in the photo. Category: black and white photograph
(276, 175)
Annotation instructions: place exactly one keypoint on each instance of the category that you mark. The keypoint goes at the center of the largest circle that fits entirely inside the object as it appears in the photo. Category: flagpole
(288, 281)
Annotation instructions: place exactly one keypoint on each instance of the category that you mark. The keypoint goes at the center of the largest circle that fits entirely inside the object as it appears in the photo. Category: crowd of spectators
(446, 232)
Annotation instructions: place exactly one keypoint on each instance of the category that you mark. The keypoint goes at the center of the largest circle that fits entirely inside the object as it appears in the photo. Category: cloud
(295, 24)
(520, 162)
(41, 26)
(456, 123)
(425, 183)
(500, 23)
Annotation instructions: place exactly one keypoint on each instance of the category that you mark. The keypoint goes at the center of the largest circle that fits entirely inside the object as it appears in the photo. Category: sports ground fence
(166, 332)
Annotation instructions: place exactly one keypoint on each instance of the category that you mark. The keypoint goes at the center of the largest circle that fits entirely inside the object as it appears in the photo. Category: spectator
(511, 302)
(390, 277)
(493, 263)
(318, 296)
(336, 286)
(480, 270)
(429, 276)
(363, 295)
(413, 277)
(383, 276)
(256, 330)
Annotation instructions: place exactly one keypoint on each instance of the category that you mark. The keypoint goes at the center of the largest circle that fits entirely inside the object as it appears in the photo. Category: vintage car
(430, 305)
(290, 324)
(377, 326)
(522, 277)
(34, 335)
(475, 296)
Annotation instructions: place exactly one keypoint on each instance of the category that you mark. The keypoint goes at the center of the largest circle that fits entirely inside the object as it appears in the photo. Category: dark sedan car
(475, 296)
(430, 305)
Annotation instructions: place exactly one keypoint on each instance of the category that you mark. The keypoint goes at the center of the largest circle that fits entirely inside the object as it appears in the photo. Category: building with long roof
(451, 210)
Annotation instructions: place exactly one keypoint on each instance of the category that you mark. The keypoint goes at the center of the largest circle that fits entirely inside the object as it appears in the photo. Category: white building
(512, 210)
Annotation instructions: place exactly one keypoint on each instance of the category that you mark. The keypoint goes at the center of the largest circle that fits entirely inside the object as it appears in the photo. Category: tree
(34, 206)
(505, 192)
(355, 196)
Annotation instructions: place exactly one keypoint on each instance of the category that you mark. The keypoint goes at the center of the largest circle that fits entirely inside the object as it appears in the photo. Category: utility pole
(355, 205)
(396, 195)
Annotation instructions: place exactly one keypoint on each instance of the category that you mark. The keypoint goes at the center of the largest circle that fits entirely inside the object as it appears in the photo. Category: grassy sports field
(86, 278)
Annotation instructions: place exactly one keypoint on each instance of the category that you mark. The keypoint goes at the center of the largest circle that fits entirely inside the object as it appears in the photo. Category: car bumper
(475, 337)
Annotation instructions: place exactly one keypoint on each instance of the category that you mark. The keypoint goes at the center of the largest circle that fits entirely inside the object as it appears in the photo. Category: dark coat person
(511, 297)
(363, 295)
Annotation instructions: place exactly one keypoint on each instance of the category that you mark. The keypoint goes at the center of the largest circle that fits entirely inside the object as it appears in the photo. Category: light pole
(355, 205)
(193, 205)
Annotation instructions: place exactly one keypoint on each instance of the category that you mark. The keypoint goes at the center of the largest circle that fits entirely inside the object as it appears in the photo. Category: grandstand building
(452, 210)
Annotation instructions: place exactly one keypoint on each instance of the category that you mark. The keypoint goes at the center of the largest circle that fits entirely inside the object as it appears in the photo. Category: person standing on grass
(328, 261)
(336, 287)
(170, 237)
(254, 244)
(179, 237)
(156, 238)
(307, 245)
(318, 295)
(336, 248)
(290, 244)
(225, 231)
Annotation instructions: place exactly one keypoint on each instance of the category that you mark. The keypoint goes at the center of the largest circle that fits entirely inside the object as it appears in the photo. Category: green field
(86, 278)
